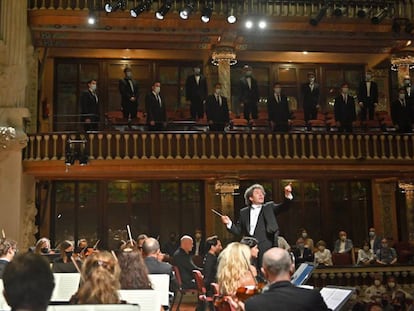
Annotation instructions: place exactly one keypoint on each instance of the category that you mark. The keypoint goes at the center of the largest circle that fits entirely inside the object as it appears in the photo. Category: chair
(260, 125)
(317, 125)
(181, 290)
(343, 259)
(239, 124)
(117, 307)
(161, 284)
(147, 299)
(201, 289)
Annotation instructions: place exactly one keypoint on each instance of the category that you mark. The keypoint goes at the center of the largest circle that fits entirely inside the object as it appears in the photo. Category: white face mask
(401, 96)
(377, 282)
(93, 87)
(277, 90)
(129, 74)
(157, 89)
(368, 77)
(197, 71)
(345, 90)
(407, 82)
(248, 73)
(311, 80)
(218, 91)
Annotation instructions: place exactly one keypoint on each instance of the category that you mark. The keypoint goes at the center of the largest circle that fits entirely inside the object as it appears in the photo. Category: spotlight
(91, 18)
(188, 9)
(379, 17)
(262, 24)
(363, 12)
(339, 11)
(207, 12)
(144, 6)
(231, 18)
(249, 24)
(160, 14)
(409, 27)
(316, 18)
(115, 5)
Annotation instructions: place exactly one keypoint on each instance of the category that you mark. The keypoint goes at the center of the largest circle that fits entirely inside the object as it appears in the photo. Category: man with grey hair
(182, 259)
(152, 259)
(8, 249)
(258, 219)
(277, 269)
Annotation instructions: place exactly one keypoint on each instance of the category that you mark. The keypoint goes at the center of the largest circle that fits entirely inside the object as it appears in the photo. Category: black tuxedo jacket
(284, 296)
(215, 112)
(153, 109)
(362, 93)
(278, 112)
(155, 266)
(247, 95)
(89, 106)
(402, 116)
(209, 270)
(194, 91)
(126, 91)
(186, 266)
(310, 98)
(345, 112)
(3, 264)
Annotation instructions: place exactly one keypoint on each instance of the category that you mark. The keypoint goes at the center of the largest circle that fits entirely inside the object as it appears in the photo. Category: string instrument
(245, 292)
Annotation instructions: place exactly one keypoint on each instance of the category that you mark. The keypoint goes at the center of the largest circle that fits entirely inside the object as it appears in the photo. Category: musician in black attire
(213, 244)
(89, 105)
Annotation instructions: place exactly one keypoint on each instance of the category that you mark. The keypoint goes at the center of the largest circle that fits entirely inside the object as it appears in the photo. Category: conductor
(258, 219)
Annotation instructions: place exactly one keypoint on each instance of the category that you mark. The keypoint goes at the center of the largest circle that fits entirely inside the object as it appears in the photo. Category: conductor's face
(257, 196)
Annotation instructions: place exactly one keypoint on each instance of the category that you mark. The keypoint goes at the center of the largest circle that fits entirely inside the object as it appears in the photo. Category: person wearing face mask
(278, 109)
(409, 92)
(196, 93)
(217, 110)
(386, 255)
(344, 108)
(248, 94)
(128, 88)
(89, 105)
(374, 292)
(302, 253)
(374, 240)
(303, 233)
(402, 112)
(343, 244)
(367, 97)
(155, 107)
(365, 255)
(323, 255)
(64, 263)
(310, 98)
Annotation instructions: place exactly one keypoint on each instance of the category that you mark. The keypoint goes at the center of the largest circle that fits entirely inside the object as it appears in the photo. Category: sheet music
(335, 297)
(66, 284)
(3, 304)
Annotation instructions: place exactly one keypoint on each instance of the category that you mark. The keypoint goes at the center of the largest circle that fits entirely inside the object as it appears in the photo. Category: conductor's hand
(288, 190)
(225, 219)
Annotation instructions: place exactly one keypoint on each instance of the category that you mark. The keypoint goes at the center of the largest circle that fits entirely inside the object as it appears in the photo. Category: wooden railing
(229, 145)
(270, 8)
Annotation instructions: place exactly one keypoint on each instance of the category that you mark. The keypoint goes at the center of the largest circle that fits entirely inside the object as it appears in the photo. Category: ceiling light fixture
(144, 6)
(316, 18)
(188, 9)
(379, 17)
(114, 5)
(160, 14)
(207, 11)
(231, 18)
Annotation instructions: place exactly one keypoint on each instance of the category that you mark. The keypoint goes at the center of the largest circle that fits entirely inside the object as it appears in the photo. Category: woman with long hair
(100, 280)
(134, 272)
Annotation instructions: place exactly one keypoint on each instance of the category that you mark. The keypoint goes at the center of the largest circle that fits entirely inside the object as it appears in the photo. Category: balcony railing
(229, 146)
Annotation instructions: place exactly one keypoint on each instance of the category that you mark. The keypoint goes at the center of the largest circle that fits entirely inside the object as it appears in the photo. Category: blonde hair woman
(100, 280)
(234, 269)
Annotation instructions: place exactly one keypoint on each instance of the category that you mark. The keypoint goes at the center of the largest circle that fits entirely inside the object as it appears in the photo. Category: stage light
(231, 18)
(249, 24)
(144, 6)
(207, 12)
(188, 9)
(115, 5)
(316, 18)
(379, 17)
(91, 18)
(363, 12)
(160, 14)
(339, 11)
(262, 24)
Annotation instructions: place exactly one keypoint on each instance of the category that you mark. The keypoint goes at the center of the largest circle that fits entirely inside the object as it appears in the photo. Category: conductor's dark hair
(249, 192)
(28, 282)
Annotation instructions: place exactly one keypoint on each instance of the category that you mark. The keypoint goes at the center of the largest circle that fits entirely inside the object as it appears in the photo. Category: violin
(245, 292)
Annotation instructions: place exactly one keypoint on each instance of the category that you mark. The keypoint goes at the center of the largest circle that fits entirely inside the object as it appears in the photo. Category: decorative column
(401, 63)
(223, 57)
(409, 205)
(16, 189)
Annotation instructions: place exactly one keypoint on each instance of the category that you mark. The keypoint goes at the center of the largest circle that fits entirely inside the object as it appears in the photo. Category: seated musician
(64, 263)
(134, 272)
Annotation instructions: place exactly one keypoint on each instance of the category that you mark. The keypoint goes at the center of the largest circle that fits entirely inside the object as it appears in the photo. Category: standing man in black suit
(368, 97)
(8, 249)
(248, 93)
(214, 247)
(182, 259)
(344, 108)
(152, 259)
(258, 219)
(278, 109)
(155, 108)
(402, 112)
(278, 269)
(310, 97)
(128, 88)
(196, 93)
(90, 107)
(217, 110)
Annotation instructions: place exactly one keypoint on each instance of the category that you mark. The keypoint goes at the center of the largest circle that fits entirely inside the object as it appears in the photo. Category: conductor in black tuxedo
(90, 107)
(155, 108)
(258, 219)
(367, 97)
(248, 93)
(278, 109)
(196, 93)
(402, 112)
(344, 108)
(278, 269)
(310, 97)
(217, 110)
(128, 88)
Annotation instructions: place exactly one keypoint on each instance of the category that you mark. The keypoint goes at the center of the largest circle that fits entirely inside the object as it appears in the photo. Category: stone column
(16, 190)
